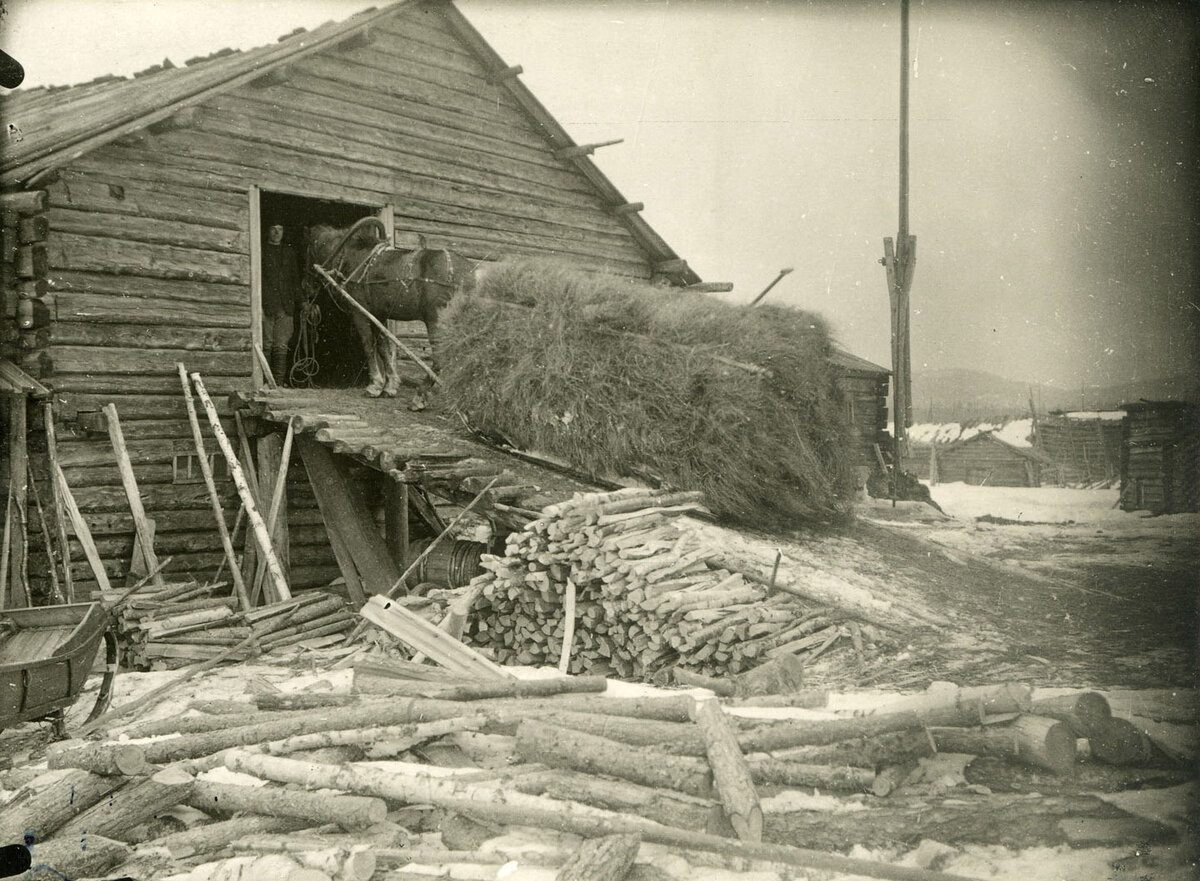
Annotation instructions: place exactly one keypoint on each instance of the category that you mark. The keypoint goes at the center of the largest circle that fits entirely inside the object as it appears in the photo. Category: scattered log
(90, 857)
(517, 688)
(660, 805)
(277, 867)
(691, 679)
(1035, 740)
(304, 701)
(566, 816)
(216, 836)
(1119, 742)
(401, 737)
(1085, 711)
(110, 759)
(438, 645)
(780, 675)
(48, 809)
(351, 812)
(731, 774)
(563, 748)
(132, 805)
(835, 778)
(601, 859)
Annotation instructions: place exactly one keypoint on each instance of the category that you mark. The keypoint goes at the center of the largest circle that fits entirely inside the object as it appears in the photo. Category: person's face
(275, 234)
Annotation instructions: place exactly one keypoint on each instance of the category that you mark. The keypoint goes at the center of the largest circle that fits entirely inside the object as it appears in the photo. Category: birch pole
(243, 488)
(226, 541)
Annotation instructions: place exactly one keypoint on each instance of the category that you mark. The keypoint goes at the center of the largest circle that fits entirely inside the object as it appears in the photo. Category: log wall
(983, 461)
(865, 396)
(1084, 450)
(147, 261)
(1160, 458)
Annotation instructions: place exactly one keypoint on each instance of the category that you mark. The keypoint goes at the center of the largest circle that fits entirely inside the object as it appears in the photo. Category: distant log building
(986, 460)
(1084, 447)
(1160, 457)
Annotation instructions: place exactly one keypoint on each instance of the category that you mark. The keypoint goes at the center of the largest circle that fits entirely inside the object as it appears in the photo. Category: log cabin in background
(986, 460)
(134, 210)
(1084, 446)
(1160, 457)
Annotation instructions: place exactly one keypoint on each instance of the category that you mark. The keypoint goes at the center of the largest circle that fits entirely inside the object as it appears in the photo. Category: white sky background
(1053, 169)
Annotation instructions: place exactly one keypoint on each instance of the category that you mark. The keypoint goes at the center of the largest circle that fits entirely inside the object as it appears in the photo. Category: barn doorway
(324, 351)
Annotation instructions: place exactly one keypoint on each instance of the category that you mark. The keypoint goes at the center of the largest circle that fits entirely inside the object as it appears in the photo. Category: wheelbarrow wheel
(104, 698)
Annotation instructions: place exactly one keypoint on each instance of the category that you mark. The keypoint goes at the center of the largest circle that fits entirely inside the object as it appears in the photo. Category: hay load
(628, 380)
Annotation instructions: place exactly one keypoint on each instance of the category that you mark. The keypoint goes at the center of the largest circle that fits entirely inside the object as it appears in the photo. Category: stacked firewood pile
(629, 776)
(177, 624)
(618, 583)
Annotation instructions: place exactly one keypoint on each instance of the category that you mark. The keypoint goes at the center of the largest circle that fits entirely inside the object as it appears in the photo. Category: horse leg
(366, 335)
(420, 398)
(389, 354)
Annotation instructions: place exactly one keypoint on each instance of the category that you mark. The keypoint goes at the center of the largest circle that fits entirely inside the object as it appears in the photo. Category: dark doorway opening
(325, 351)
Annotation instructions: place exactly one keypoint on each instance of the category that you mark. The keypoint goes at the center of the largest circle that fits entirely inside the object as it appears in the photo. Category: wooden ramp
(429, 450)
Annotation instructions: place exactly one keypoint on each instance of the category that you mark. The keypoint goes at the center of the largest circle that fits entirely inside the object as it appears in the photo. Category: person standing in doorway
(280, 287)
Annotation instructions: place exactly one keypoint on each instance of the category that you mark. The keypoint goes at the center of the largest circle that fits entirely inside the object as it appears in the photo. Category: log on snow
(663, 806)
(557, 747)
(566, 816)
(110, 759)
(1034, 740)
(351, 812)
(73, 858)
(731, 774)
(48, 809)
(1084, 711)
(601, 859)
(216, 836)
(132, 806)
(1119, 742)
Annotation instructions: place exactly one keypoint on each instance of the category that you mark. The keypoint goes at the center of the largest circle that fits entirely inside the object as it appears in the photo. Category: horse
(390, 283)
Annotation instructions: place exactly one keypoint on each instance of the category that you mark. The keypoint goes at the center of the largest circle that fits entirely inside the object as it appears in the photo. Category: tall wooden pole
(899, 260)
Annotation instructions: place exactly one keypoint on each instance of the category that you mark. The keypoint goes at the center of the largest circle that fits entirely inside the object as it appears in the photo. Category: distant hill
(956, 395)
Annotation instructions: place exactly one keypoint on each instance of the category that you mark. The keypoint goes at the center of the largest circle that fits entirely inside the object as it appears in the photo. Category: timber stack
(619, 779)
(618, 582)
(180, 624)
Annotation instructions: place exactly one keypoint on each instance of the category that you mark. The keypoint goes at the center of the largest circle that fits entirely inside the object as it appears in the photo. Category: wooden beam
(82, 532)
(584, 149)
(129, 480)
(184, 118)
(711, 287)
(276, 77)
(239, 584)
(628, 208)
(505, 73)
(56, 502)
(346, 515)
(18, 462)
(671, 267)
(243, 487)
(24, 201)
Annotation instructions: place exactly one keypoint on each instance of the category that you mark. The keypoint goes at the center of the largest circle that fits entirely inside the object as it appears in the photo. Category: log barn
(1160, 457)
(134, 212)
(864, 387)
(986, 460)
(1084, 446)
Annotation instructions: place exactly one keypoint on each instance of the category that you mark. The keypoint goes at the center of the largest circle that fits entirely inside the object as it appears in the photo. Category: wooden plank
(436, 644)
(278, 580)
(346, 515)
(87, 191)
(181, 290)
(72, 306)
(152, 230)
(82, 533)
(108, 359)
(129, 481)
(274, 455)
(18, 539)
(123, 257)
(218, 510)
(152, 336)
(56, 501)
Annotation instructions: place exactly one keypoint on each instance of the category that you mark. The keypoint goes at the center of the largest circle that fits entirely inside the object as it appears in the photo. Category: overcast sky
(1053, 147)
